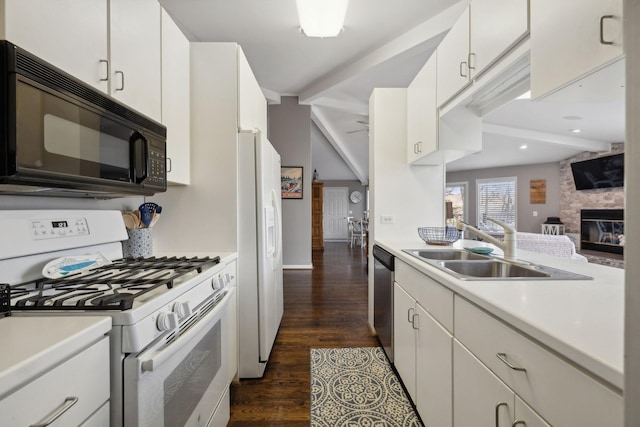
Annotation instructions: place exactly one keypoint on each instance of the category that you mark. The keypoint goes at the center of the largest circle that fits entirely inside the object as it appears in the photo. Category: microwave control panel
(157, 167)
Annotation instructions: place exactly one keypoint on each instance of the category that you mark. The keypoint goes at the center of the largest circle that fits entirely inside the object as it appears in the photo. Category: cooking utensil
(149, 205)
(156, 216)
(138, 220)
(145, 215)
(131, 221)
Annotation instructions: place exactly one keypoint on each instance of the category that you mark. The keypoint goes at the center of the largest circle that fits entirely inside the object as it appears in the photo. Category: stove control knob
(217, 283)
(182, 309)
(167, 321)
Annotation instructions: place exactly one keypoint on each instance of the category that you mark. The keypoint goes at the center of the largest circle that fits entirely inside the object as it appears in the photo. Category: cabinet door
(495, 26)
(479, 397)
(422, 114)
(135, 55)
(71, 34)
(404, 339)
(433, 371)
(526, 417)
(175, 100)
(560, 56)
(452, 65)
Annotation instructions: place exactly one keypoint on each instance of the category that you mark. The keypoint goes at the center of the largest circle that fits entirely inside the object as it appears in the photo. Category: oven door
(180, 383)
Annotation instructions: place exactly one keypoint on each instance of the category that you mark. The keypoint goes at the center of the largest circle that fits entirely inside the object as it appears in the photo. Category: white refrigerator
(260, 303)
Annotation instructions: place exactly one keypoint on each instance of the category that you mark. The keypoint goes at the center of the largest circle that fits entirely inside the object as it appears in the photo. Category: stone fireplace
(602, 230)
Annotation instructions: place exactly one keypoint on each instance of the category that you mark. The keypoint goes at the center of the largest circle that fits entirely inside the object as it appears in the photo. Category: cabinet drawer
(85, 376)
(561, 393)
(431, 295)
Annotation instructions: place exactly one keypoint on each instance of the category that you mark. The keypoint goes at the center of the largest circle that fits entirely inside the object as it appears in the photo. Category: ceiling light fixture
(523, 147)
(574, 130)
(321, 18)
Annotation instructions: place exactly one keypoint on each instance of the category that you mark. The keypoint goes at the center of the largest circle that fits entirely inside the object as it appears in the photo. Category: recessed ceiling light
(572, 118)
(574, 130)
(523, 147)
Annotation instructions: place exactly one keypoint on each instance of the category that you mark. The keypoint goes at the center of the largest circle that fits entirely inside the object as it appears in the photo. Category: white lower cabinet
(482, 399)
(422, 357)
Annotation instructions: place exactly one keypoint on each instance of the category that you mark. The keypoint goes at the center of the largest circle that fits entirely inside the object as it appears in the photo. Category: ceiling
(383, 44)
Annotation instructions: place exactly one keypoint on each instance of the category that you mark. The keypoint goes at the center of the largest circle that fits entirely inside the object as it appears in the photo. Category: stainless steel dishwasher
(383, 298)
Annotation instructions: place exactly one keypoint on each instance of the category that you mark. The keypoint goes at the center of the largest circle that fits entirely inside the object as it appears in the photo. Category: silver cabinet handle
(169, 164)
(498, 412)
(602, 40)
(105, 79)
(415, 321)
(503, 358)
(469, 57)
(461, 64)
(56, 413)
(415, 148)
(518, 423)
(121, 80)
(410, 315)
(419, 147)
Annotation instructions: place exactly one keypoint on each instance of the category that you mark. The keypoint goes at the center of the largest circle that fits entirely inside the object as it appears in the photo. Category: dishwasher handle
(384, 257)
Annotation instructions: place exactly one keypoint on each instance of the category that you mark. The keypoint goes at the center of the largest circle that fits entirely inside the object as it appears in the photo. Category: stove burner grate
(113, 286)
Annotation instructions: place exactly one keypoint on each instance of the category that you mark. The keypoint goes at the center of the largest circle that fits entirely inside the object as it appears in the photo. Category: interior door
(335, 207)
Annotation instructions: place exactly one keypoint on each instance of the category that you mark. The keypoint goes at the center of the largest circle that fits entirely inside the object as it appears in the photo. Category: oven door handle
(201, 327)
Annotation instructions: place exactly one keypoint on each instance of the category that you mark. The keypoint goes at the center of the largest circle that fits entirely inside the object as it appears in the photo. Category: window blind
(496, 199)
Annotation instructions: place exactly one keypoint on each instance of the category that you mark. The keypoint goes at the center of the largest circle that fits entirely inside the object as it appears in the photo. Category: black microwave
(61, 137)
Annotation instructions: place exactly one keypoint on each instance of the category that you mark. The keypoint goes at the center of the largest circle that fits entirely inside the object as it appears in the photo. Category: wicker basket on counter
(439, 235)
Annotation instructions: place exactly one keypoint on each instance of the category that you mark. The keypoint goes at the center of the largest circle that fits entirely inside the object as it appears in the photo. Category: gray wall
(524, 173)
(290, 134)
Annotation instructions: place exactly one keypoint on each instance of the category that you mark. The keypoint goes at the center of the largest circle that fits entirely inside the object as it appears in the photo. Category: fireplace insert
(602, 230)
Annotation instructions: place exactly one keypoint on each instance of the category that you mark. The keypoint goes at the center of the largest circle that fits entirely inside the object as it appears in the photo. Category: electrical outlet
(386, 219)
(535, 213)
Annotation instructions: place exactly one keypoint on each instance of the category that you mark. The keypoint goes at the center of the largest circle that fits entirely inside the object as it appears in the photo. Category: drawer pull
(410, 315)
(518, 423)
(503, 358)
(415, 322)
(602, 40)
(498, 412)
(56, 413)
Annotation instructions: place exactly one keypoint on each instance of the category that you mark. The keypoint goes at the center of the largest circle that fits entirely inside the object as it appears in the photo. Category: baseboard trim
(298, 267)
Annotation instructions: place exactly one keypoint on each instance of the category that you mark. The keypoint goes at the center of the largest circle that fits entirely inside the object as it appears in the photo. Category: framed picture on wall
(291, 182)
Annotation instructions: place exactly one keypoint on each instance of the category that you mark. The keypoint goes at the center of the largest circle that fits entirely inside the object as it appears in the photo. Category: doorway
(336, 207)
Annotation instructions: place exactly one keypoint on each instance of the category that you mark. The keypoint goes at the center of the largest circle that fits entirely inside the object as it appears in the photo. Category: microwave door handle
(139, 158)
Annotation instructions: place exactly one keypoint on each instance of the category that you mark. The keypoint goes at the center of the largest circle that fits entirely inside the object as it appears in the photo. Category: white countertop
(32, 345)
(583, 320)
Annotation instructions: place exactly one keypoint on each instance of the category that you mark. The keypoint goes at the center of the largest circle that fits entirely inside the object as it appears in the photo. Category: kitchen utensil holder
(5, 299)
(139, 244)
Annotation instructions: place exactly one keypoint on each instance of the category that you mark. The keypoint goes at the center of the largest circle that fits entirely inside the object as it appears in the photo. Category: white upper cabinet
(135, 55)
(176, 100)
(560, 56)
(485, 31)
(252, 109)
(422, 113)
(495, 26)
(453, 57)
(70, 34)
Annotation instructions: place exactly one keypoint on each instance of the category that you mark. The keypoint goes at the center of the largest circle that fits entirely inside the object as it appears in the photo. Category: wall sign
(538, 191)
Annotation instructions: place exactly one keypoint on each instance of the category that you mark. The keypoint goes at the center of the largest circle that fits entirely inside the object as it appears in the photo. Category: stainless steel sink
(447, 254)
(492, 269)
(466, 265)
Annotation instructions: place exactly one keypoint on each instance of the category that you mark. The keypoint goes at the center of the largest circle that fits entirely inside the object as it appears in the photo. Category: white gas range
(172, 316)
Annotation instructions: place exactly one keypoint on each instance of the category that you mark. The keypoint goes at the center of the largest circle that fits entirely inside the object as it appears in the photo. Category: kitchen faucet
(508, 245)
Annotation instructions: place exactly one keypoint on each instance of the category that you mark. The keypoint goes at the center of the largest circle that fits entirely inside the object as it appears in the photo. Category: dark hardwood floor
(323, 307)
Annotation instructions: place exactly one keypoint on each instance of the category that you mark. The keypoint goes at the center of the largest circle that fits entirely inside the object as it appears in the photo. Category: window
(456, 195)
(496, 199)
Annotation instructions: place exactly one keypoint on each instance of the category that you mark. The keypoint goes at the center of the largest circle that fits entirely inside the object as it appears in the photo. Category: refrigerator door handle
(277, 225)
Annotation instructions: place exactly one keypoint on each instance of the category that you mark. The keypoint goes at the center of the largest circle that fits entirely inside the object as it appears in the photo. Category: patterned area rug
(356, 387)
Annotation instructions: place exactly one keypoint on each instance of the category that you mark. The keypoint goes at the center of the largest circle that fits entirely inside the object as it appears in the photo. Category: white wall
(413, 195)
(632, 190)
